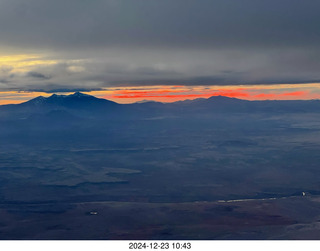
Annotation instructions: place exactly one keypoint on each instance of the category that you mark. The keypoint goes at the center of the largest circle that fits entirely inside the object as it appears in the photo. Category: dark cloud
(216, 80)
(166, 23)
(5, 69)
(5, 74)
(4, 81)
(38, 75)
(62, 90)
(133, 42)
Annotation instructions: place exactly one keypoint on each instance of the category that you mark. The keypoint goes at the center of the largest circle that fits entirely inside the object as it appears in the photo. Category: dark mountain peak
(80, 95)
(56, 96)
(146, 101)
(74, 101)
(36, 101)
(190, 101)
(81, 99)
(222, 98)
(77, 95)
(40, 98)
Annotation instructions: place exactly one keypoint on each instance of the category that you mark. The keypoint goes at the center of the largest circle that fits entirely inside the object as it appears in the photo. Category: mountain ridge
(87, 106)
(79, 96)
(66, 99)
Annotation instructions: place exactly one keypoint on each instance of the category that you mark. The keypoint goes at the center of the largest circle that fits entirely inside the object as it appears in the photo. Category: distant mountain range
(87, 106)
(83, 119)
(74, 100)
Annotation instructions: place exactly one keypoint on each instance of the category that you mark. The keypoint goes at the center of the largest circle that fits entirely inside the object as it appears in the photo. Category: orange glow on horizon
(13, 97)
(8, 102)
(166, 94)
(170, 95)
(278, 96)
(127, 95)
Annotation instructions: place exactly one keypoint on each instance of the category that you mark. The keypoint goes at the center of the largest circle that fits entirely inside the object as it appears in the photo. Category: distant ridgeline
(82, 105)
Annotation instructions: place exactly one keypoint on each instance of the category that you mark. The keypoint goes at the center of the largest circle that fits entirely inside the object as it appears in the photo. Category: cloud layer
(96, 44)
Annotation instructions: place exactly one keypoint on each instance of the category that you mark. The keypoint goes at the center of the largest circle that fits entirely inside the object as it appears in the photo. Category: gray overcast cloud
(101, 43)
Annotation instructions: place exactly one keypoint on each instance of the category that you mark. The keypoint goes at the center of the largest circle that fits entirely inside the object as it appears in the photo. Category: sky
(164, 50)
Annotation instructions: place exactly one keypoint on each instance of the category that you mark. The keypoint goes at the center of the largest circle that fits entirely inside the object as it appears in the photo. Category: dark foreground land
(227, 169)
(292, 218)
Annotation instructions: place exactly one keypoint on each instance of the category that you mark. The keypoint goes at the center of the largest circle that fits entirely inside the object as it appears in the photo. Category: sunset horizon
(168, 94)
